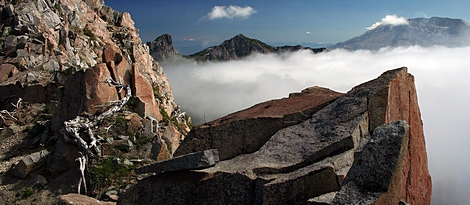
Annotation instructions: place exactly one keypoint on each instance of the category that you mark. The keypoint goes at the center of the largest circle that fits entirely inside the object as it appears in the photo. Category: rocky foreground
(364, 147)
(87, 115)
(82, 102)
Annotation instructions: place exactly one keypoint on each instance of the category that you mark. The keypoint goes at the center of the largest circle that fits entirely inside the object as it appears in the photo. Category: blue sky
(277, 21)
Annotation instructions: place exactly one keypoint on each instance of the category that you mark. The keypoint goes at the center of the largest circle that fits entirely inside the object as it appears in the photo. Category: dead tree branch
(8, 114)
(72, 128)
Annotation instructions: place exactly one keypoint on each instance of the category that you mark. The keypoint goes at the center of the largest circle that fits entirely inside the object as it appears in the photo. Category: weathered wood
(72, 128)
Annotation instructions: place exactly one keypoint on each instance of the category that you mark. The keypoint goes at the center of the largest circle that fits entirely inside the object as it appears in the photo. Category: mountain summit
(162, 48)
(419, 31)
(234, 48)
(241, 46)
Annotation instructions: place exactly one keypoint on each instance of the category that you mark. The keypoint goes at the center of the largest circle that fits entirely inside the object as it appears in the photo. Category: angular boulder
(310, 161)
(30, 163)
(198, 160)
(373, 171)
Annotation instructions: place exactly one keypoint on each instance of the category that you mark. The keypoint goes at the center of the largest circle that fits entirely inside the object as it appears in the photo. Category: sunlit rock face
(366, 147)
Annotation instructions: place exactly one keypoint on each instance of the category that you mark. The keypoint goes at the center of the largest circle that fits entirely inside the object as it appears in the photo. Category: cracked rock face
(342, 148)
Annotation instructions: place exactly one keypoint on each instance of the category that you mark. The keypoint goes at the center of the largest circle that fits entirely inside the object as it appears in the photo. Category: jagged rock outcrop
(74, 60)
(162, 48)
(322, 159)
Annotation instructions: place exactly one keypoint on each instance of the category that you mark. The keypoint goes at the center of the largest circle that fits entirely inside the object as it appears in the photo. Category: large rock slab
(198, 160)
(302, 162)
(247, 130)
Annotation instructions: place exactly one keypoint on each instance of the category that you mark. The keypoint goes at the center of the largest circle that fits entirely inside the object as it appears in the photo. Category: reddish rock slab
(98, 92)
(247, 130)
(117, 64)
(143, 91)
(414, 185)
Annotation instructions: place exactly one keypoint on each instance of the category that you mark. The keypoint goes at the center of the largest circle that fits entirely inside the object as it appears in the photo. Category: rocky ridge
(364, 147)
(77, 82)
(235, 48)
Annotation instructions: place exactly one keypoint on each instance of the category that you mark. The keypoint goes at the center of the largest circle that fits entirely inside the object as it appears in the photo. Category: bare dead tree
(5, 114)
(72, 128)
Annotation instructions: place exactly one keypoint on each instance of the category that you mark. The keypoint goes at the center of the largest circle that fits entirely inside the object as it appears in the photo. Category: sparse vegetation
(107, 173)
(121, 126)
(173, 121)
(141, 141)
(37, 129)
(27, 192)
(89, 33)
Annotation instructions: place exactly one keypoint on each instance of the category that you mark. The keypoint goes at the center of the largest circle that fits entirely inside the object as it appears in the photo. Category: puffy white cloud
(230, 12)
(393, 20)
(210, 90)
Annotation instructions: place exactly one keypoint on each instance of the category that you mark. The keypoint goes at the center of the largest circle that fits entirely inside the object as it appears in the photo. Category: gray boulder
(30, 163)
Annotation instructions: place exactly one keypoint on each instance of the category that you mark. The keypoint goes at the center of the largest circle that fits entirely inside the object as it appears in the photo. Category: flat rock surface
(247, 130)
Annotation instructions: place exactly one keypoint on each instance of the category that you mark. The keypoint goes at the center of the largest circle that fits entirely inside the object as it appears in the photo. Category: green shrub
(89, 33)
(27, 192)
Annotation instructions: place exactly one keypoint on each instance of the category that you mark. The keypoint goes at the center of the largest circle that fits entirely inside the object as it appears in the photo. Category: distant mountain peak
(241, 46)
(419, 31)
(162, 48)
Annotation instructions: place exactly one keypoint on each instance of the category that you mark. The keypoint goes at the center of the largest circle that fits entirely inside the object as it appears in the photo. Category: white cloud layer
(230, 12)
(393, 20)
(211, 90)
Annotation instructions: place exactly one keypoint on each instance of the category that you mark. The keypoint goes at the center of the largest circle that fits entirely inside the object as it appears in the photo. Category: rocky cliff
(364, 147)
(82, 100)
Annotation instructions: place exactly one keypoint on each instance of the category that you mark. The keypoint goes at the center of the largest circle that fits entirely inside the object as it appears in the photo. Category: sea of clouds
(210, 90)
